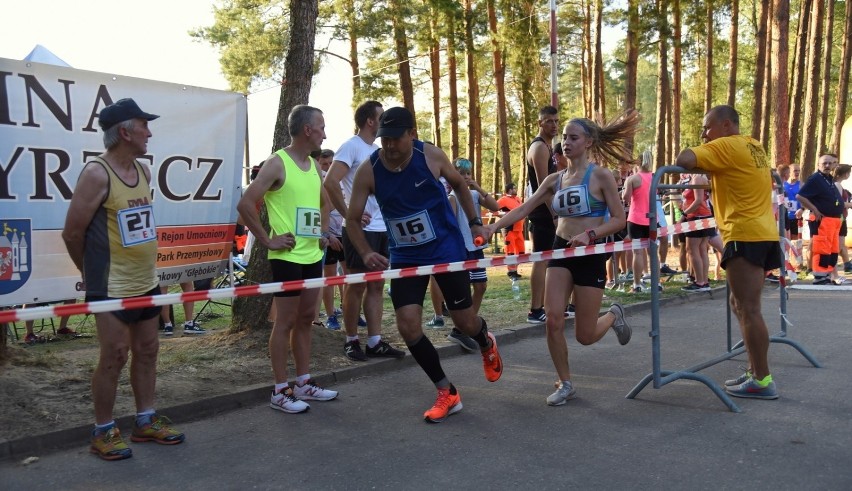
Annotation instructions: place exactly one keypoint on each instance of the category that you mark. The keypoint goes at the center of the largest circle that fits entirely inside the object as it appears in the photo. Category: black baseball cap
(394, 122)
(122, 110)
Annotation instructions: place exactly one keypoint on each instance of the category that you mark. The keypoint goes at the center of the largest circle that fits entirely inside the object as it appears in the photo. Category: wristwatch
(475, 221)
(592, 235)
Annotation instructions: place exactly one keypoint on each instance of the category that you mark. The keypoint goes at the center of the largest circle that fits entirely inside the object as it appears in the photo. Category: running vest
(540, 212)
(638, 212)
(295, 208)
(422, 228)
(577, 201)
(121, 241)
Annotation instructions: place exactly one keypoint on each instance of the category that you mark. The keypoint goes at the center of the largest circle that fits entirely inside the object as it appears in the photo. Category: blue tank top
(577, 201)
(422, 228)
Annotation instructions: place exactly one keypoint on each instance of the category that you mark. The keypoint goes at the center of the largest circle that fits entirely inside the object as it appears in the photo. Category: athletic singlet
(703, 209)
(540, 211)
(295, 208)
(639, 206)
(422, 228)
(120, 256)
(577, 201)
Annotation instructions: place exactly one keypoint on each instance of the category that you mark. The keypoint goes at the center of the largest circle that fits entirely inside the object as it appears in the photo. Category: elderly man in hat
(112, 239)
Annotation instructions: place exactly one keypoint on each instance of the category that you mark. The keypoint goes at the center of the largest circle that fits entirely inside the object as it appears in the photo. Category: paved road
(677, 437)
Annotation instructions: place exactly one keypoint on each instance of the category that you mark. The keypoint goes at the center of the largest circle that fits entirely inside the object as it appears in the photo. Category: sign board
(49, 131)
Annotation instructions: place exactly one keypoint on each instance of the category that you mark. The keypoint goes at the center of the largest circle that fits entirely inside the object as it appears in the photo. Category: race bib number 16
(137, 225)
(412, 230)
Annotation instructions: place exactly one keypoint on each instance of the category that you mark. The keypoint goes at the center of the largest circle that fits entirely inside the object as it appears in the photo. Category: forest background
(475, 73)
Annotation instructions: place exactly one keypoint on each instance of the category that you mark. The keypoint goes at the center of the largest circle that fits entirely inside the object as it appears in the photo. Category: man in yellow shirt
(741, 182)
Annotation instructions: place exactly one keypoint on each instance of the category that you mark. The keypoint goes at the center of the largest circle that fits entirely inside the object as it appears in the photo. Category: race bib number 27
(137, 225)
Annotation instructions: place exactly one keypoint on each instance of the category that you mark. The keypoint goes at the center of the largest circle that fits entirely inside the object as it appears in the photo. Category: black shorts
(332, 256)
(636, 231)
(792, 225)
(766, 254)
(378, 242)
(477, 275)
(455, 286)
(586, 270)
(843, 228)
(288, 271)
(542, 233)
(698, 234)
(132, 316)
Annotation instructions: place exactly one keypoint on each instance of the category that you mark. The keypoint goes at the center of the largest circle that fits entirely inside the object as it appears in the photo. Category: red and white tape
(252, 290)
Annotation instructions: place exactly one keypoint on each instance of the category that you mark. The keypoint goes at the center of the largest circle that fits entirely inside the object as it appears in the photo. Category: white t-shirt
(353, 153)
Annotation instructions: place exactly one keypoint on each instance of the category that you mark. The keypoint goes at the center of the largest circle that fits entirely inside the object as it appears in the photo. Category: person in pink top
(635, 195)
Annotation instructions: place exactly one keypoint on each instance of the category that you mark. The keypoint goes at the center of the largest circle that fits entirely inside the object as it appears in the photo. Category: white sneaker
(312, 392)
(563, 394)
(286, 402)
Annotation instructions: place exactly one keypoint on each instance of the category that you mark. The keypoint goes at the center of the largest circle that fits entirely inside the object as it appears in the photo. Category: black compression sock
(426, 355)
(482, 336)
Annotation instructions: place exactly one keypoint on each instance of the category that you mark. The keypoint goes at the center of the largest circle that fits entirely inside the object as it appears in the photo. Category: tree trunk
(631, 64)
(780, 149)
(732, 63)
(767, 81)
(472, 83)
(251, 312)
(800, 64)
(708, 85)
(598, 100)
(452, 71)
(435, 75)
(826, 77)
(807, 152)
(842, 83)
(588, 87)
(600, 86)
(662, 85)
(354, 61)
(500, 83)
(676, 78)
(400, 42)
(759, 72)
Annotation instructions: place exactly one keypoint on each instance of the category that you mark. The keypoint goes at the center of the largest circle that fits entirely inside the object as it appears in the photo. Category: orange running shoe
(491, 361)
(446, 404)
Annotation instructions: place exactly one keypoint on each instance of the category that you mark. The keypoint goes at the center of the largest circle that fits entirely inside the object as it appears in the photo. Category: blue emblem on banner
(15, 254)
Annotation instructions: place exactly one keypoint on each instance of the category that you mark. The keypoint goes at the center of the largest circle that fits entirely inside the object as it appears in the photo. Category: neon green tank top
(295, 208)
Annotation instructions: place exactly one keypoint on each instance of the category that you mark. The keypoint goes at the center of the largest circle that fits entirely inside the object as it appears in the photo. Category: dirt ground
(46, 387)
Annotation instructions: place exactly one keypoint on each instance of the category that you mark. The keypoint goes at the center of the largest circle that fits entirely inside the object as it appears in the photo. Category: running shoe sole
(453, 410)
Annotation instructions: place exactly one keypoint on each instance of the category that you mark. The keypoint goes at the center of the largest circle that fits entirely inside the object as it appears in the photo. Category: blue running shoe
(332, 323)
(752, 390)
(361, 322)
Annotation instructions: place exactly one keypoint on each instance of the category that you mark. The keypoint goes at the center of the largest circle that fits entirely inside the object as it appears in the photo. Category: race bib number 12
(137, 225)
(308, 222)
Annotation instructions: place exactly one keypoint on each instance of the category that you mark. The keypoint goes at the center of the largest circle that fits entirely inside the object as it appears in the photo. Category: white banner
(49, 130)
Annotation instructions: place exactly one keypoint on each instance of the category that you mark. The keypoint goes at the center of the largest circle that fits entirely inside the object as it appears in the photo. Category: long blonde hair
(609, 141)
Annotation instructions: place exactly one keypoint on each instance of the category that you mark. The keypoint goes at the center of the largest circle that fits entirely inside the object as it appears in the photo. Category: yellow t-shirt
(742, 188)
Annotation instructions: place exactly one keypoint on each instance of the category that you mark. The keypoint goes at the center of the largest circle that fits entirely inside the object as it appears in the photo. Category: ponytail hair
(609, 141)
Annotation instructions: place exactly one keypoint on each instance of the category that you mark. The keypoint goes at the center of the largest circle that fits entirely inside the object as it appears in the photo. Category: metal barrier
(662, 377)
